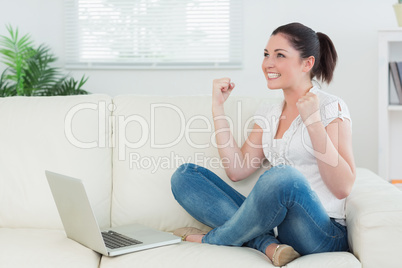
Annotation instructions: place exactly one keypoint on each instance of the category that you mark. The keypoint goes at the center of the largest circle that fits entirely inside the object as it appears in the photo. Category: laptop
(80, 223)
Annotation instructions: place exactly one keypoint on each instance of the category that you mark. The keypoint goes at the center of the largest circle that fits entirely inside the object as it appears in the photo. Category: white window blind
(153, 33)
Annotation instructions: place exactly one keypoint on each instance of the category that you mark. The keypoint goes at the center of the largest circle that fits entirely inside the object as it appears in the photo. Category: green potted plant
(398, 12)
(29, 70)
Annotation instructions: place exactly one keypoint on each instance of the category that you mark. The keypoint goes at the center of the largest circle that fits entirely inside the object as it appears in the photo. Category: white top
(295, 148)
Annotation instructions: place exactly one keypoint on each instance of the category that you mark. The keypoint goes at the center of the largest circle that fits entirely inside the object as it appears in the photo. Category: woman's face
(282, 66)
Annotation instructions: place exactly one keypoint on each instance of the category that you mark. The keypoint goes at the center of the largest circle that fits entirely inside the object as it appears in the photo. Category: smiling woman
(310, 151)
(309, 44)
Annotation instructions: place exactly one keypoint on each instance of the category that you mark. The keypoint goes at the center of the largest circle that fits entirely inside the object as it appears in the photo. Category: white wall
(352, 25)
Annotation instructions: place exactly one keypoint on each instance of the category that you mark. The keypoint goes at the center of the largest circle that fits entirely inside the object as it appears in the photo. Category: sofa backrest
(153, 136)
(68, 135)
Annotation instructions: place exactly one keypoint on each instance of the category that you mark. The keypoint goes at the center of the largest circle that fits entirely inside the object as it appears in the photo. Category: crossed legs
(281, 198)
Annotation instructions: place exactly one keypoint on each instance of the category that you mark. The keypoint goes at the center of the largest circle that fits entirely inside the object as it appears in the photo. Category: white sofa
(125, 149)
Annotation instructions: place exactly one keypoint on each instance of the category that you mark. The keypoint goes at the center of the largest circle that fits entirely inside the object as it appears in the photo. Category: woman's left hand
(309, 108)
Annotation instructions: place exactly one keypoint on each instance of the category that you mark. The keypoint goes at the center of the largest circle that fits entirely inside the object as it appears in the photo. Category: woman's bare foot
(194, 238)
(271, 250)
(190, 234)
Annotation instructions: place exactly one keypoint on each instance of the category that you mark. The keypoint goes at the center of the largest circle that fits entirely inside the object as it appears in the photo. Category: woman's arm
(332, 147)
(239, 163)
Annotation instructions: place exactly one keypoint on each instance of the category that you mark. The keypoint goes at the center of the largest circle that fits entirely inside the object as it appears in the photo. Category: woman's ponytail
(328, 58)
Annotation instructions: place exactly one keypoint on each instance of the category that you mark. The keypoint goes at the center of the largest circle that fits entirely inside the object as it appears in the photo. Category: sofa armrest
(374, 220)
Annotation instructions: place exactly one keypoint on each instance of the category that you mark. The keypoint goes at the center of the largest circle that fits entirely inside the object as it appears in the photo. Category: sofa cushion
(196, 255)
(43, 248)
(68, 135)
(153, 136)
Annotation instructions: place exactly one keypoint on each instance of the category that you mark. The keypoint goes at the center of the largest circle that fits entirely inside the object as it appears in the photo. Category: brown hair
(310, 43)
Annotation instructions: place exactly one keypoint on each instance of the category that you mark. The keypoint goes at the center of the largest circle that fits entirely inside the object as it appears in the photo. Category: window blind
(153, 33)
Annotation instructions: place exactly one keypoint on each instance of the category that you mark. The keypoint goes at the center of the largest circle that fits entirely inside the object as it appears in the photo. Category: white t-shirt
(295, 148)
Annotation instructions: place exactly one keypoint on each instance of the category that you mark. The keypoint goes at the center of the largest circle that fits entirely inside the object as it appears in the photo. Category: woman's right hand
(221, 89)
(227, 146)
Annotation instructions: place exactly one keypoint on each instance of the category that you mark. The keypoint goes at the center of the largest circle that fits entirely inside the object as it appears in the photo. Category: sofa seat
(187, 254)
(43, 248)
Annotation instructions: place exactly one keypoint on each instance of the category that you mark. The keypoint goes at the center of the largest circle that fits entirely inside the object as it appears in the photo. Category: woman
(307, 140)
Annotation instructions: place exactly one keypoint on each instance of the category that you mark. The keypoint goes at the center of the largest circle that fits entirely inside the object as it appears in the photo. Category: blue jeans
(281, 198)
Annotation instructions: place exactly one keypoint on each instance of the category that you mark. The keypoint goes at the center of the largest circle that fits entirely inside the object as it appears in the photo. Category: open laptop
(80, 223)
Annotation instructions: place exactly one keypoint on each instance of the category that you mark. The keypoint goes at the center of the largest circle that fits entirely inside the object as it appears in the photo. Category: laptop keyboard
(115, 240)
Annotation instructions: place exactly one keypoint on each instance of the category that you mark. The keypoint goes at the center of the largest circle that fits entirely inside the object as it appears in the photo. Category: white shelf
(389, 116)
(395, 108)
